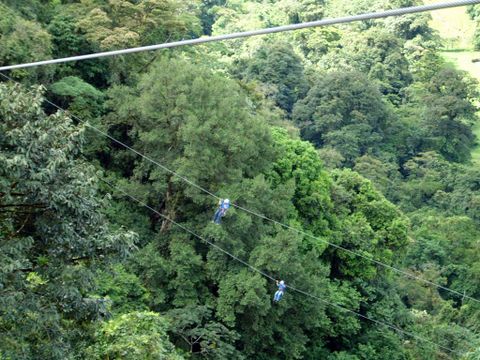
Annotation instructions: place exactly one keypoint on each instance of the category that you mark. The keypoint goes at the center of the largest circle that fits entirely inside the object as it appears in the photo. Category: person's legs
(218, 217)
(278, 295)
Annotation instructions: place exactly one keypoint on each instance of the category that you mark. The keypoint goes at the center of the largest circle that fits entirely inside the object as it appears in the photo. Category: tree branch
(13, 234)
(38, 205)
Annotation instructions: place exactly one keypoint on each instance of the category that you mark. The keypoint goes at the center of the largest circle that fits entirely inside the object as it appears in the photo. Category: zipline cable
(285, 226)
(244, 34)
(253, 268)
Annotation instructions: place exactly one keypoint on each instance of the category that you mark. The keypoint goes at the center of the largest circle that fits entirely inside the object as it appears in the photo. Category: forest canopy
(353, 143)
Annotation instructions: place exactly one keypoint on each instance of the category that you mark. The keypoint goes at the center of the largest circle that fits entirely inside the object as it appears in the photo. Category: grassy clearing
(454, 26)
(463, 60)
(457, 30)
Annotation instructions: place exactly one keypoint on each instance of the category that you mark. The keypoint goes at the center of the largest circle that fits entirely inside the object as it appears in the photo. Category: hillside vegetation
(358, 141)
(457, 29)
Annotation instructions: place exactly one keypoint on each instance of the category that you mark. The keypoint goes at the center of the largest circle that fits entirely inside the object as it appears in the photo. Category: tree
(448, 242)
(23, 41)
(449, 113)
(298, 161)
(115, 24)
(474, 12)
(377, 53)
(428, 174)
(120, 22)
(303, 10)
(69, 40)
(199, 333)
(82, 99)
(208, 14)
(384, 175)
(369, 223)
(199, 124)
(278, 66)
(122, 288)
(52, 234)
(344, 111)
(33, 10)
(138, 335)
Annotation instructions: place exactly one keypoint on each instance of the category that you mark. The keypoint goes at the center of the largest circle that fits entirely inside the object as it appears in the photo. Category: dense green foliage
(359, 136)
(53, 234)
(474, 12)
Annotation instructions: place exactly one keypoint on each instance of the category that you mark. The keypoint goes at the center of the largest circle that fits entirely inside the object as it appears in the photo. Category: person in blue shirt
(281, 289)
(223, 206)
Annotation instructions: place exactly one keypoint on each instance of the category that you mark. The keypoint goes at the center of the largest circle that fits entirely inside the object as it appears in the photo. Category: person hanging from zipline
(281, 289)
(223, 206)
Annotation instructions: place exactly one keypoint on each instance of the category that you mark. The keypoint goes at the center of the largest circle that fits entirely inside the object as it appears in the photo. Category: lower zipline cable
(253, 268)
(285, 226)
(393, 327)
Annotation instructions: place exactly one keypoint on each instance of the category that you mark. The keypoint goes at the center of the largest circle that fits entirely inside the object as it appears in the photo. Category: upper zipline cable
(255, 269)
(244, 34)
(285, 226)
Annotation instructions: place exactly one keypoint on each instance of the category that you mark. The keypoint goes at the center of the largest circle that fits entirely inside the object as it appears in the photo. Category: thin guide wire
(253, 268)
(285, 226)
